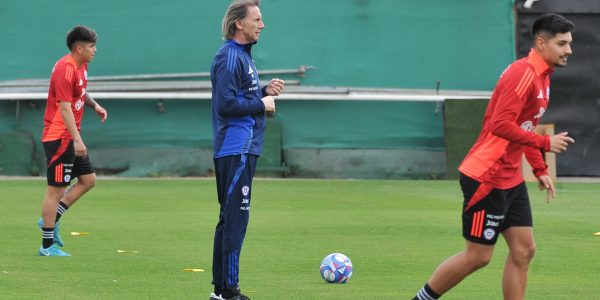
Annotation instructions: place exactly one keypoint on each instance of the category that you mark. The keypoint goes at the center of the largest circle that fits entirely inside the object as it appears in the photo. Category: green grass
(395, 233)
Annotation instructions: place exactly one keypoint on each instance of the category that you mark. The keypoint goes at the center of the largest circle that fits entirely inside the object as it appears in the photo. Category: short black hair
(80, 33)
(552, 24)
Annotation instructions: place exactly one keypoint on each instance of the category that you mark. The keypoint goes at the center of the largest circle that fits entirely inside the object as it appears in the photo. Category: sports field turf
(395, 233)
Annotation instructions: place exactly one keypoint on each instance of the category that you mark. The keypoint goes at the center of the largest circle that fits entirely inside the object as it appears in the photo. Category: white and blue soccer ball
(336, 268)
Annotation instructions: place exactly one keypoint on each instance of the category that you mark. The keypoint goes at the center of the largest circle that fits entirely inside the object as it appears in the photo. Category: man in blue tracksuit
(239, 106)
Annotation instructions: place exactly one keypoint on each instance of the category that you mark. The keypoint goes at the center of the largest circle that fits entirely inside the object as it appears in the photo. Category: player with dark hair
(495, 196)
(66, 153)
(239, 106)
(81, 33)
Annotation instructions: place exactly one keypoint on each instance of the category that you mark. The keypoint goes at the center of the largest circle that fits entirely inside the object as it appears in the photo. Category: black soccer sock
(61, 210)
(426, 293)
(47, 237)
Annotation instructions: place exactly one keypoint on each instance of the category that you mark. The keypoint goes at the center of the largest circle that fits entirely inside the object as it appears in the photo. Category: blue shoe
(52, 251)
(57, 240)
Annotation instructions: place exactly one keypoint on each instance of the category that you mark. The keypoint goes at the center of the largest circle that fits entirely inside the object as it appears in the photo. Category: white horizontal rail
(288, 96)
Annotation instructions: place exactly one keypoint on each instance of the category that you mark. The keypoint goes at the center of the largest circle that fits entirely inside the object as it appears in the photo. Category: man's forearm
(90, 101)
(69, 120)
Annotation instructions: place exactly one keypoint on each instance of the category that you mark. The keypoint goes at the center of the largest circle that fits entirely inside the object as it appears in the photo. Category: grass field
(395, 233)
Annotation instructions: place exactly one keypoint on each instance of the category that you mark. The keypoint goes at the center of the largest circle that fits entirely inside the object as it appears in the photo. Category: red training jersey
(67, 84)
(518, 102)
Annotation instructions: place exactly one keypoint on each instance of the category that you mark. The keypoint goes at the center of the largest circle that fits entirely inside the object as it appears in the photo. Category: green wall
(371, 43)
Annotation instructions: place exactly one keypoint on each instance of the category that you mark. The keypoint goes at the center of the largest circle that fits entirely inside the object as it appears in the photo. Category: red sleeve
(64, 80)
(513, 87)
(536, 161)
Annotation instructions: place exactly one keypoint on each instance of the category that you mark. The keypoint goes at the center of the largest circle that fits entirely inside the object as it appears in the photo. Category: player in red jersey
(495, 196)
(65, 151)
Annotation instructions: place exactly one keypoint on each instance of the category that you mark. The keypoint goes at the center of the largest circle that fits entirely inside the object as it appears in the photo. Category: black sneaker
(238, 297)
(214, 296)
(235, 293)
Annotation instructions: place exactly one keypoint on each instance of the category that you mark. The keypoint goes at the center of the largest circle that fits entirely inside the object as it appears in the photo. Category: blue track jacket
(238, 116)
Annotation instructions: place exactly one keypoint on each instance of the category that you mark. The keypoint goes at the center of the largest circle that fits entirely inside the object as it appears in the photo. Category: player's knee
(523, 255)
(88, 182)
(531, 251)
(481, 262)
(55, 192)
(477, 256)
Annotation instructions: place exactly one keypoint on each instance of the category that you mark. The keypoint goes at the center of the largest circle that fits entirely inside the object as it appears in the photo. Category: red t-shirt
(518, 102)
(67, 83)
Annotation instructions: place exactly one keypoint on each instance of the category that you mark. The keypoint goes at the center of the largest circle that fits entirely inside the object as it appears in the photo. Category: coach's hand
(269, 102)
(545, 183)
(560, 142)
(275, 87)
(80, 149)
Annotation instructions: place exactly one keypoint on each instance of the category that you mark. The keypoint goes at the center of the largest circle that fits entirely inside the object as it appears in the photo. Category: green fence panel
(361, 124)
(366, 163)
(362, 139)
(7, 115)
(17, 151)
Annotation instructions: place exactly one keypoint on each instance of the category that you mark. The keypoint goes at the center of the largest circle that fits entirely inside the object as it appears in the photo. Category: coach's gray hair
(237, 10)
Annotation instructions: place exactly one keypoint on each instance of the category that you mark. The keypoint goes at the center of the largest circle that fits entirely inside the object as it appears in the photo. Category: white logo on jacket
(541, 95)
(250, 71)
(528, 126)
(540, 114)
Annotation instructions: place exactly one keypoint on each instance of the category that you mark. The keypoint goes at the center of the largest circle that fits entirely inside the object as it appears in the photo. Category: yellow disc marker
(75, 233)
(193, 270)
(597, 233)
(127, 251)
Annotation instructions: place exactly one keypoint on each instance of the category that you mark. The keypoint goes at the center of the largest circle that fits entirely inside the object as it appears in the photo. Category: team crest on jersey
(245, 190)
(67, 178)
(78, 104)
(489, 234)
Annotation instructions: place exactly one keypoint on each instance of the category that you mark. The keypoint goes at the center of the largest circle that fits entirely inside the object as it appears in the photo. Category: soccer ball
(336, 268)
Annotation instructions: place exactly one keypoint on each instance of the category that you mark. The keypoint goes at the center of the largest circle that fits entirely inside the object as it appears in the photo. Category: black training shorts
(62, 163)
(488, 211)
